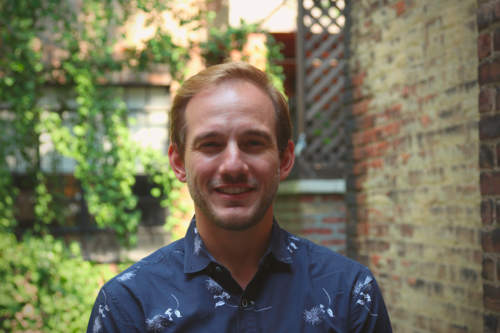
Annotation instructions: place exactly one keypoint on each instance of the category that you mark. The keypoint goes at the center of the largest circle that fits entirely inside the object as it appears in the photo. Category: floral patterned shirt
(299, 287)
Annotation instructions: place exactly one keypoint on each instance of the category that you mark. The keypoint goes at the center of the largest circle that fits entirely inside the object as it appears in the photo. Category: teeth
(233, 190)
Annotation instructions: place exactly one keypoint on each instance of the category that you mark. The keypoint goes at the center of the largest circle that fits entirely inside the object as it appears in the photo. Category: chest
(280, 301)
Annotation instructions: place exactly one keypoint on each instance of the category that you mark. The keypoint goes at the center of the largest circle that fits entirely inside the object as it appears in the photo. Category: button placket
(244, 303)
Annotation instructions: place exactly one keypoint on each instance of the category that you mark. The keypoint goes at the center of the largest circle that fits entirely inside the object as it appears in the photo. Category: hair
(229, 71)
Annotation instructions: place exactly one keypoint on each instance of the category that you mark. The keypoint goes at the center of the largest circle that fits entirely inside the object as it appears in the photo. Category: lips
(233, 190)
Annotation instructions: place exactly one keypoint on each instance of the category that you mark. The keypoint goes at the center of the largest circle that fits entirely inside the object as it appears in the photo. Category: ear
(176, 162)
(287, 160)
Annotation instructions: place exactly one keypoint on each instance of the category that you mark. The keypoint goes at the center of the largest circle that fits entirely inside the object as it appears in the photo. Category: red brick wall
(488, 19)
(414, 196)
(320, 218)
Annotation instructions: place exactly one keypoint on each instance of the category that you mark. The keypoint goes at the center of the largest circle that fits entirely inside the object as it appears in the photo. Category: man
(236, 270)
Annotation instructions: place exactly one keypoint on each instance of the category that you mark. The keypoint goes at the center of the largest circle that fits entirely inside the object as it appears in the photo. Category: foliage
(46, 286)
(99, 140)
(222, 42)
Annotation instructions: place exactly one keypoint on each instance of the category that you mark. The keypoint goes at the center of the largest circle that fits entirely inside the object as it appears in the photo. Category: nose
(233, 162)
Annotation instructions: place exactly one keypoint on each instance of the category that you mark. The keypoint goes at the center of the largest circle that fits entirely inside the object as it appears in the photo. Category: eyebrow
(204, 136)
(257, 132)
(251, 132)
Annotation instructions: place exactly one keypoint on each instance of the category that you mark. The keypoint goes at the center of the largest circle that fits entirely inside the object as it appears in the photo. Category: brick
(487, 209)
(327, 242)
(360, 168)
(360, 107)
(491, 323)
(421, 322)
(484, 46)
(498, 272)
(490, 240)
(400, 7)
(486, 100)
(489, 72)
(334, 220)
(436, 326)
(491, 297)
(377, 149)
(320, 231)
(425, 120)
(487, 14)
(468, 275)
(361, 199)
(366, 122)
(489, 127)
(407, 230)
(359, 182)
(490, 183)
(498, 211)
(486, 160)
(458, 329)
(359, 153)
(498, 154)
(496, 40)
(358, 79)
(307, 198)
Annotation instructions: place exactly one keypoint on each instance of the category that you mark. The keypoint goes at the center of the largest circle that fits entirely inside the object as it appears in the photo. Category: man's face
(231, 159)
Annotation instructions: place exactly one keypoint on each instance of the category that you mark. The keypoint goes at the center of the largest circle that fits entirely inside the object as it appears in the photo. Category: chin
(237, 220)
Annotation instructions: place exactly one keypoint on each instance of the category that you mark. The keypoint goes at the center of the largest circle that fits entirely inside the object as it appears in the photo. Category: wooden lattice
(321, 62)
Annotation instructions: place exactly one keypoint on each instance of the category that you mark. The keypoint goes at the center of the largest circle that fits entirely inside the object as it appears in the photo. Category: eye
(255, 143)
(209, 144)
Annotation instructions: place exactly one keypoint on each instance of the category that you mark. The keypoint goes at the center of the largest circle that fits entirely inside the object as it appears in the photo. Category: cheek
(266, 167)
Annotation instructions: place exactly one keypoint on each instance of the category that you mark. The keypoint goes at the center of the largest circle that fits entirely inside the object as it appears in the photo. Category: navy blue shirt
(299, 287)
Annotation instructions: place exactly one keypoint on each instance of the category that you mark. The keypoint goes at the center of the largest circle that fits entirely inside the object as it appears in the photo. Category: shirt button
(209, 269)
(244, 303)
(218, 269)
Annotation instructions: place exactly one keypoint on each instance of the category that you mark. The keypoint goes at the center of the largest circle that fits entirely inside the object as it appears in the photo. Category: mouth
(233, 190)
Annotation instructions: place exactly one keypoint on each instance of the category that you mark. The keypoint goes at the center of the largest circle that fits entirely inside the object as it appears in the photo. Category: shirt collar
(197, 258)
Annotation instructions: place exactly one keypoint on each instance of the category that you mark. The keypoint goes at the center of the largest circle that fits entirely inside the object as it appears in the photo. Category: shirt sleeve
(368, 310)
(107, 316)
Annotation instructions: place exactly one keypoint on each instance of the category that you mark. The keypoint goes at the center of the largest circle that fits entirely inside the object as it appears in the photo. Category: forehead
(238, 104)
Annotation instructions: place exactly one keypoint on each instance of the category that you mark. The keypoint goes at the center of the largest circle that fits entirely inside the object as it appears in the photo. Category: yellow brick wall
(414, 197)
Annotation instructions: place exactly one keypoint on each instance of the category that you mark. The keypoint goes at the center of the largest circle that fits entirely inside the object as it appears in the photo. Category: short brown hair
(216, 75)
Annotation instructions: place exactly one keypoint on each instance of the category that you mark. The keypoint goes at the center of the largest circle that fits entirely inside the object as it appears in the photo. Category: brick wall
(488, 44)
(319, 218)
(413, 196)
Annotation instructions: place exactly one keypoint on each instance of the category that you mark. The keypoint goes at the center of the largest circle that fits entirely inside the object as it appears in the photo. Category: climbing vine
(83, 58)
(71, 47)
(222, 43)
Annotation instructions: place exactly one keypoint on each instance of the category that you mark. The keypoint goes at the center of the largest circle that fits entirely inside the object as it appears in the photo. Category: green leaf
(79, 130)
(9, 81)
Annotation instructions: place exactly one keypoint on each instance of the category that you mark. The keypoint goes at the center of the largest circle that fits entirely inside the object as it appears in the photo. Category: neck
(239, 251)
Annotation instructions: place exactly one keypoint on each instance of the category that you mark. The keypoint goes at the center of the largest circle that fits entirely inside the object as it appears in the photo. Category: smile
(233, 190)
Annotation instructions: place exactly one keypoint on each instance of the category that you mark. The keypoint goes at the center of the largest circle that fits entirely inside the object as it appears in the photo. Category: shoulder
(317, 254)
(164, 261)
(119, 305)
(323, 263)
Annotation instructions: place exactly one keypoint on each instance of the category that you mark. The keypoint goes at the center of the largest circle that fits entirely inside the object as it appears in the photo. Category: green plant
(222, 42)
(98, 139)
(46, 286)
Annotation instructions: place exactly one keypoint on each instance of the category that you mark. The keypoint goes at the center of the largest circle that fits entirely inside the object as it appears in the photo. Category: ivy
(45, 284)
(98, 140)
(222, 42)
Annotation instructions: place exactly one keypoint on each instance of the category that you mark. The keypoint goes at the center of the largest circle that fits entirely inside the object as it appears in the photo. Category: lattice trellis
(321, 66)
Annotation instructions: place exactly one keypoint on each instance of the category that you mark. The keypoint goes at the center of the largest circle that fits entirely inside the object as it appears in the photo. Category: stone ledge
(312, 186)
